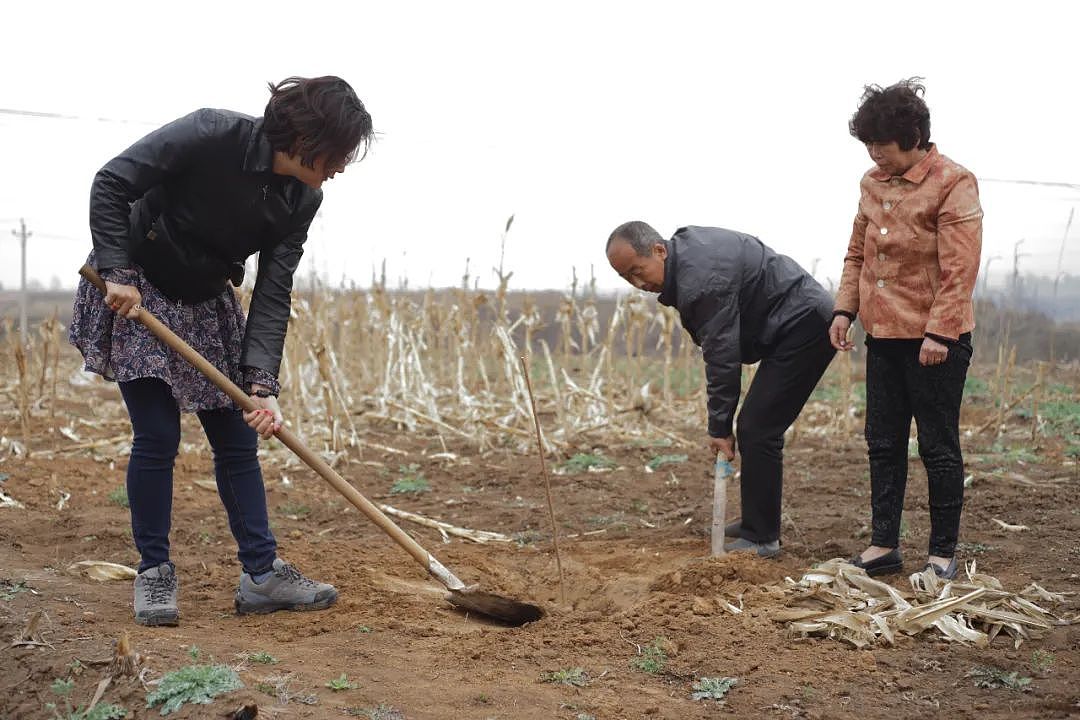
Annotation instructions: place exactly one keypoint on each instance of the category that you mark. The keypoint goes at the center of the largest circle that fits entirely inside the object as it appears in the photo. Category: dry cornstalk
(31, 633)
(1003, 397)
(102, 686)
(670, 435)
(999, 419)
(318, 357)
(665, 318)
(46, 333)
(433, 421)
(560, 410)
(24, 392)
(999, 368)
(476, 536)
(88, 445)
(55, 367)
(8, 501)
(125, 661)
(837, 600)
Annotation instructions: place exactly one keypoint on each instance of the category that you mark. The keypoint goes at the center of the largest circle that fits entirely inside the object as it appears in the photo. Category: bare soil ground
(634, 548)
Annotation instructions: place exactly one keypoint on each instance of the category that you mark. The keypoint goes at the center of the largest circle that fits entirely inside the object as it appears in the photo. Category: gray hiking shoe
(285, 589)
(155, 596)
(765, 550)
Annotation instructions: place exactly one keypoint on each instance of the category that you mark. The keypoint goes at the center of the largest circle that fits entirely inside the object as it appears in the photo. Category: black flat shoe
(945, 573)
(888, 564)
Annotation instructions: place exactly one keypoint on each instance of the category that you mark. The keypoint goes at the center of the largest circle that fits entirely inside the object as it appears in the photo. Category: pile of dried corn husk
(838, 600)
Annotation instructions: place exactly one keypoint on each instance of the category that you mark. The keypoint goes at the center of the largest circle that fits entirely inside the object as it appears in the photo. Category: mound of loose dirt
(732, 573)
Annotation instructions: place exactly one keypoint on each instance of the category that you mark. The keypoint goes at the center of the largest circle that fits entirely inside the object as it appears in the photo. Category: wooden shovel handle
(283, 434)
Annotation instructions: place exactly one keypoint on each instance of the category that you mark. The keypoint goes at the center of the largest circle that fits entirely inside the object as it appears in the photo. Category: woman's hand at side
(932, 352)
(838, 333)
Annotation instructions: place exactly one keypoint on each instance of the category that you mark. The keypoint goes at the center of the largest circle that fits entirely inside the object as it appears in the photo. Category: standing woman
(173, 219)
(909, 276)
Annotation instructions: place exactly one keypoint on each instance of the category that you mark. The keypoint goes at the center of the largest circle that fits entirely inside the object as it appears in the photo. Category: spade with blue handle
(723, 472)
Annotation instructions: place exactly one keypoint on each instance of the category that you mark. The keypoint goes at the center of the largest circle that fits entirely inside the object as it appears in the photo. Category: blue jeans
(155, 420)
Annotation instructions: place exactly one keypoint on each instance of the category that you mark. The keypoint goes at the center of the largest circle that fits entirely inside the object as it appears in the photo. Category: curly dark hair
(310, 117)
(893, 114)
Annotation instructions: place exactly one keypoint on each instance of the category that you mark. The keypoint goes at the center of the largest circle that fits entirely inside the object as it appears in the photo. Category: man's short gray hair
(639, 235)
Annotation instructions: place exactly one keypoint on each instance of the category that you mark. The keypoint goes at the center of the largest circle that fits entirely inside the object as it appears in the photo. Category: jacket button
(887, 205)
(881, 283)
(881, 256)
(884, 231)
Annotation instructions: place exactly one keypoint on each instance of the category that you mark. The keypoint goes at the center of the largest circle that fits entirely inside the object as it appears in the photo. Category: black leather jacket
(190, 202)
(738, 299)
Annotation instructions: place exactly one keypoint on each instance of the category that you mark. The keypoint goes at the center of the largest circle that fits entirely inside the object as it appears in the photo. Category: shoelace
(291, 573)
(160, 588)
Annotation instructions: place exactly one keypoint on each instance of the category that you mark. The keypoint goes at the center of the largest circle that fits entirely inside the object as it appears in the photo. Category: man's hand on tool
(123, 299)
(724, 446)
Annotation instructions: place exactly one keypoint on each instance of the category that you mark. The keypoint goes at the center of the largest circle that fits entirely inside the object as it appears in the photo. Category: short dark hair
(310, 117)
(639, 235)
(893, 114)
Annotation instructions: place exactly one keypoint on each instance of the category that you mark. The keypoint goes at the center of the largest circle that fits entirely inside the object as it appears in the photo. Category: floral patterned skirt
(119, 349)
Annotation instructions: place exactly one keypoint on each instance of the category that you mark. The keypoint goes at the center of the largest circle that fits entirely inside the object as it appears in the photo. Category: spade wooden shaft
(313, 461)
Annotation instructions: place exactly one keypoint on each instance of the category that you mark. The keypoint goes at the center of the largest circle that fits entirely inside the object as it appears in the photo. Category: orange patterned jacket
(913, 257)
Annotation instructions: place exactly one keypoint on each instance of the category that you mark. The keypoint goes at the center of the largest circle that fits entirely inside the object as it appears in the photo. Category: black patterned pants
(898, 389)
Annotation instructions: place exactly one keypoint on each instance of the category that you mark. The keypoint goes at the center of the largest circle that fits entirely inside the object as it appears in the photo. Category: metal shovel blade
(503, 609)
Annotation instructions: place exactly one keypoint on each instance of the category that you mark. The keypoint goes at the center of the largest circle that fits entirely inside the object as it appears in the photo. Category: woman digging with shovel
(173, 219)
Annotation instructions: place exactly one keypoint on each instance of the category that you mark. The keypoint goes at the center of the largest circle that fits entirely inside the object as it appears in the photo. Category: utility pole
(22, 234)
(1057, 279)
(1016, 269)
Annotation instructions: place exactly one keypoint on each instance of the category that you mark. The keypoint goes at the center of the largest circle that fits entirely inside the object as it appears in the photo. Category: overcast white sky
(575, 116)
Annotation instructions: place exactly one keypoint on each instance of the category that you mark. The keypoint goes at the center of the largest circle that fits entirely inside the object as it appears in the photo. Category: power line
(45, 235)
(52, 236)
(1041, 183)
(37, 114)
(42, 115)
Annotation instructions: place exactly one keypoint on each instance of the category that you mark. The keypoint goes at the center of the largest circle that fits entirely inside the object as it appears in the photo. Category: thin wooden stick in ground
(1035, 401)
(547, 481)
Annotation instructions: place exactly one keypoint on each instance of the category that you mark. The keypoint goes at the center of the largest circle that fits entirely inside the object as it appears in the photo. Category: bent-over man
(742, 303)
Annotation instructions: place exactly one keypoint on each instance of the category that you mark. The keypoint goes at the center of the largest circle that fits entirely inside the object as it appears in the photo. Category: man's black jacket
(737, 299)
(190, 202)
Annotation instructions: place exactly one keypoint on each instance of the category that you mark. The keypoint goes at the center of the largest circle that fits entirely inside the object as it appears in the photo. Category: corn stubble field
(419, 399)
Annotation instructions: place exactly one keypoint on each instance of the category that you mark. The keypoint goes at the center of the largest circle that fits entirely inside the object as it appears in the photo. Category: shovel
(722, 472)
(466, 597)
